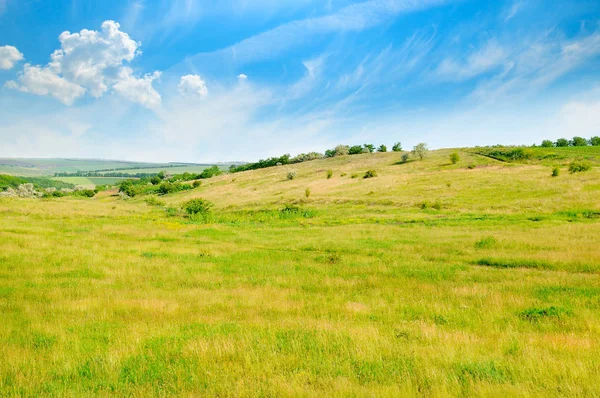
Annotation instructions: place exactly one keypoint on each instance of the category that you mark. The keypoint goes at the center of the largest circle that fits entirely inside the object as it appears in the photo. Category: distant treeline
(339, 150)
(575, 141)
(115, 172)
(7, 181)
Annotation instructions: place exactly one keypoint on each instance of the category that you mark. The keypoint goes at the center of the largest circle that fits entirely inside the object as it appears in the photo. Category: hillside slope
(429, 279)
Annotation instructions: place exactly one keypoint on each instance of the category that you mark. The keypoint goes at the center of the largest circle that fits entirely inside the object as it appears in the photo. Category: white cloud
(482, 60)
(192, 85)
(355, 17)
(9, 55)
(90, 62)
(516, 7)
(242, 78)
(138, 90)
(92, 58)
(42, 81)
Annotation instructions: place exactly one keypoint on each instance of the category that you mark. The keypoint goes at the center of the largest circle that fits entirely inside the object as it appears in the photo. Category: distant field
(172, 170)
(90, 180)
(432, 279)
(47, 167)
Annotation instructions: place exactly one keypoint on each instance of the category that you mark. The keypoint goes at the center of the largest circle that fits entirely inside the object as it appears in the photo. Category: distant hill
(32, 167)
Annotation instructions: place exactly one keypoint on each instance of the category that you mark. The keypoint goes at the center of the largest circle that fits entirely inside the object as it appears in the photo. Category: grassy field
(174, 170)
(90, 180)
(47, 167)
(430, 279)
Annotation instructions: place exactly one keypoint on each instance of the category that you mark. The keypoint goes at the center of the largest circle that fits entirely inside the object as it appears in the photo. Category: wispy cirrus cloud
(356, 17)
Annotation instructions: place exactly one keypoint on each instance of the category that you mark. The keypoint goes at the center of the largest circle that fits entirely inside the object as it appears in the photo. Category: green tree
(397, 147)
(595, 141)
(382, 148)
(420, 150)
(355, 150)
(547, 144)
(562, 142)
(369, 147)
(578, 141)
(341, 150)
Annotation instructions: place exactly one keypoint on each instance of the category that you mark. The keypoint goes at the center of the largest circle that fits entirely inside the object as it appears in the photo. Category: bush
(355, 150)
(370, 148)
(405, 157)
(397, 147)
(341, 150)
(329, 174)
(486, 242)
(555, 172)
(382, 148)
(561, 142)
(579, 166)
(547, 144)
(578, 141)
(454, 157)
(154, 201)
(370, 174)
(355, 175)
(155, 180)
(471, 166)
(420, 150)
(196, 183)
(197, 206)
(171, 211)
(291, 175)
(307, 193)
(595, 141)
(211, 172)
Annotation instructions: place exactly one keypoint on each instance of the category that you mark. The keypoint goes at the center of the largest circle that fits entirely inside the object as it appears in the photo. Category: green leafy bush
(196, 183)
(578, 141)
(382, 148)
(197, 206)
(555, 172)
(547, 144)
(579, 166)
(370, 174)
(405, 157)
(307, 193)
(397, 147)
(329, 174)
(291, 175)
(595, 141)
(154, 201)
(561, 142)
(454, 157)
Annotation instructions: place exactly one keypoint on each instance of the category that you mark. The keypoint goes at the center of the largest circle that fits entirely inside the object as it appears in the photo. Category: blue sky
(205, 81)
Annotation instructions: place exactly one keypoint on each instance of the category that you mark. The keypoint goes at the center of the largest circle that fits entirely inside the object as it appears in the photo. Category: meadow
(480, 278)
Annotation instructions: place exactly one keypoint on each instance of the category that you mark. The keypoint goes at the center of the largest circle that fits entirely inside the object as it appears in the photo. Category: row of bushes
(575, 141)
(340, 150)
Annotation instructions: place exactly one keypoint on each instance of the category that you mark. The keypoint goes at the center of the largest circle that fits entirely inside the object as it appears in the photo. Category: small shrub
(579, 166)
(437, 205)
(555, 172)
(355, 175)
(291, 175)
(197, 183)
(171, 211)
(154, 201)
(405, 157)
(307, 193)
(343, 175)
(197, 206)
(471, 166)
(537, 314)
(454, 157)
(370, 174)
(340, 150)
(486, 242)
(329, 174)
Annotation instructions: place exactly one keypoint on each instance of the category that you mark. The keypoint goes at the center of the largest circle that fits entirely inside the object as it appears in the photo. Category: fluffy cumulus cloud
(9, 55)
(192, 85)
(138, 90)
(242, 78)
(90, 62)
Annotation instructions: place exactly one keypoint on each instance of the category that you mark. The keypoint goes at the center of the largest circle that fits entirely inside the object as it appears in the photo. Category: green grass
(90, 180)
(355, 291)
(173, 170)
